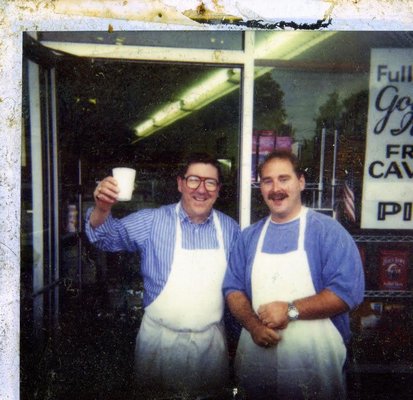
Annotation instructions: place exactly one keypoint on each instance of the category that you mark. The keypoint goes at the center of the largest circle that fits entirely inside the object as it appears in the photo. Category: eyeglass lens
(193, 182)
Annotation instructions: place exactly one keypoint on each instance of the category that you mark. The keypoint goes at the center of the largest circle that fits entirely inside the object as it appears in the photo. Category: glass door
(40, 208)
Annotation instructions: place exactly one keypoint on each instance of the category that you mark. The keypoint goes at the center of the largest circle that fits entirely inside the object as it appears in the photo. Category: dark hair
(283, 155)
(203, 158)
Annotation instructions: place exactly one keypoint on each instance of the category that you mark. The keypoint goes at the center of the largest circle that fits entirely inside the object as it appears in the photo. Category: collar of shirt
(184, 217)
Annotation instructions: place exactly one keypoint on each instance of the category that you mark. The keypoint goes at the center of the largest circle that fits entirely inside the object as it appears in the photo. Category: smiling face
(281, 189)
(198, 202)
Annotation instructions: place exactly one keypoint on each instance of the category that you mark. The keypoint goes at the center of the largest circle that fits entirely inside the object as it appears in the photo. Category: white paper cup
(126, 182)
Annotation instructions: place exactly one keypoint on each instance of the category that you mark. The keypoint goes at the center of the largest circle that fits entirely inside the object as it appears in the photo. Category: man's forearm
(240, 307)
(98, 217)
(322, 305)
(319, 306)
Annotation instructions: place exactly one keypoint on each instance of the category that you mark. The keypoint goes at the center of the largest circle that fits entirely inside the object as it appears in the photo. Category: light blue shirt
(152, 233)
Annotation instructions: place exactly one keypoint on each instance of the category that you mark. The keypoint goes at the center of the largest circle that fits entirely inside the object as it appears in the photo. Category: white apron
(181, 344)
(308, 361)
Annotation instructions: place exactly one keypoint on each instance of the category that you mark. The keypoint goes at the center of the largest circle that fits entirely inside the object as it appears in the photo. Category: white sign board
(387, 201)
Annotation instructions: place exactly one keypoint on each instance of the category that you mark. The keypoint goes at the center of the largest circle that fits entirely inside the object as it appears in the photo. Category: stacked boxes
(263, 142)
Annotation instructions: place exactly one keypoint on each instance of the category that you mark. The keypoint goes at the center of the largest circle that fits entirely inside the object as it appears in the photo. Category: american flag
(348, 198)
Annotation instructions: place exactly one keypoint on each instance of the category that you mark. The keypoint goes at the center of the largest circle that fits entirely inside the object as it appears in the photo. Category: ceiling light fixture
(216, 85)
(144, 127)
(197, 96)
(171, 110)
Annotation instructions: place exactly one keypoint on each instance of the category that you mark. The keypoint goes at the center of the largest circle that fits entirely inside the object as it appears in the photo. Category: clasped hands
(273, 318)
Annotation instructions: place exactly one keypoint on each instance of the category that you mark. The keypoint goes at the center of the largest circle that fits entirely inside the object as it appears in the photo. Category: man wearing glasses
(184, 248)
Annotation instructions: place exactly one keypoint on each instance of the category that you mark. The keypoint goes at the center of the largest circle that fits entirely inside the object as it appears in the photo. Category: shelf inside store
(383, 238)
(308, 185)
(388, 294)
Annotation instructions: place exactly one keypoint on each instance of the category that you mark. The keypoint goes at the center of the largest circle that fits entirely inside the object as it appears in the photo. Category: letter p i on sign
(391, 208)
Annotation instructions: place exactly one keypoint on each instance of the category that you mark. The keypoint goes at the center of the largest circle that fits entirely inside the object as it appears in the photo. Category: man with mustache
(184, 247)
(292, 280)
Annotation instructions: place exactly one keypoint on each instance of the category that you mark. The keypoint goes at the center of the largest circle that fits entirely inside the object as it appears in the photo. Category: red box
(284, 142)
(264, 142)
(393, 269)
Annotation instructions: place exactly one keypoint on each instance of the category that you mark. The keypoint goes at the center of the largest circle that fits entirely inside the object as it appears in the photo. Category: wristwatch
(292, 312)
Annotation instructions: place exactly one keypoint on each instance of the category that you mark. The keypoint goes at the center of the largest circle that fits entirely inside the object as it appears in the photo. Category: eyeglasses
(193, 182)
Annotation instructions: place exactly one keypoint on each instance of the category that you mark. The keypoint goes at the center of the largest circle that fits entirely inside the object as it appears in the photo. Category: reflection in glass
(313, 88)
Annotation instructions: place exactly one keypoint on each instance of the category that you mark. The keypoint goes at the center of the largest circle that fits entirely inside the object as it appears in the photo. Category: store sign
(387, 201)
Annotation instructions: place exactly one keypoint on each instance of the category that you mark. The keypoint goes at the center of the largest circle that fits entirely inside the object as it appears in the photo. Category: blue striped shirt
(152, 233)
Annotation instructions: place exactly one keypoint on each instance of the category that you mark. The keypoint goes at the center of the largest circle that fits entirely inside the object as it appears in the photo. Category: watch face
(292, 312)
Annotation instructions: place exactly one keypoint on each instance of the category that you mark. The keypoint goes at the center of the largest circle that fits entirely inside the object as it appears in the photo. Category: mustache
(278, 195)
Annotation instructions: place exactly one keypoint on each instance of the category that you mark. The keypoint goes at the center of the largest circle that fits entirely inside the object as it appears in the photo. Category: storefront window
(312, 97)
